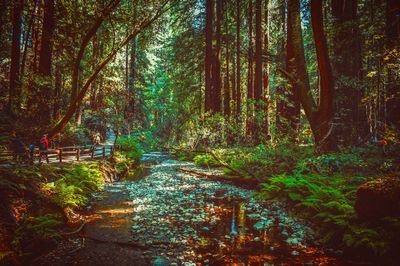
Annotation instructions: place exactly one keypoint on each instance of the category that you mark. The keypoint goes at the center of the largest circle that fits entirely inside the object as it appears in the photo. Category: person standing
(18, 148)
(43, 147)
(32, 152)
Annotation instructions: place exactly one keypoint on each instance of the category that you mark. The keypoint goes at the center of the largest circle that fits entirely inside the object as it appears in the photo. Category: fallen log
(119, 243)
(235, 179)
(246, 175)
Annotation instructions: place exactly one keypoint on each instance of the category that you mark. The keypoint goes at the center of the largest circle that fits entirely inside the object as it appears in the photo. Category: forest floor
(169, 216)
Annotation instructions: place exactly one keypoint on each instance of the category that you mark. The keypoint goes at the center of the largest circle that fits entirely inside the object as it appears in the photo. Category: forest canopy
(204, 72)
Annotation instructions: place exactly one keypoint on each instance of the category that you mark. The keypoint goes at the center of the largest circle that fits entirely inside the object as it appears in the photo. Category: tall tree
(258, 75)
(392, 55)
(238, 65)
(266, 86)
(347, 67)
(208, 56)
(250, 74)
(102, 15)
(45, 63)
(227, 96)
(319, 116)
(291, 105)
(216, 73)
(258, 72)
(14, 87)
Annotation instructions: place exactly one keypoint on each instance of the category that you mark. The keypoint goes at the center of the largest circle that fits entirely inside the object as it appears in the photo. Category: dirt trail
(169, 217)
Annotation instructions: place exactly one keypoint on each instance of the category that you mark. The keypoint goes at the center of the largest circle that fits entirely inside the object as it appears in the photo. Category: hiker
(96, 139)
(43, 147)
(18, 148)
(31, 152)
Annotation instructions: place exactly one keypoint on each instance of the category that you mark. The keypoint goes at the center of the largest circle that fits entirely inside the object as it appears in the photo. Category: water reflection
(236, 241)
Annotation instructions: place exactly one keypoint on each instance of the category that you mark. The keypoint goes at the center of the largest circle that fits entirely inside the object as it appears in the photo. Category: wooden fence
(64, 154)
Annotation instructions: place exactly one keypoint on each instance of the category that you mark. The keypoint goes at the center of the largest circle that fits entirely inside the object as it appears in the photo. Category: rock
(378, 198)
(160, 261)
(259, 225)
(295, 253)
(257, 239)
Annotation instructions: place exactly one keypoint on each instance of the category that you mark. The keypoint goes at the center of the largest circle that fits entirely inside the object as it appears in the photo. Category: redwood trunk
(45, 92)
(238, 66)
(393, 45)
(208, 56)
(14, 87)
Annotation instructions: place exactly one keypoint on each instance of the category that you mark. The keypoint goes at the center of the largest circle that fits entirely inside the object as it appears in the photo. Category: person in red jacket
(43, 147)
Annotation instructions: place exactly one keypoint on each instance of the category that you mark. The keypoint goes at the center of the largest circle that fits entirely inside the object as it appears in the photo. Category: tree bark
(318, 117)
(392, 52)
(15, 86)
(258, 77)
(291, 105)
(347, 70)
(227, 96)
(85, 41)
(57, 92)
(132, 78)
(217, 61)
(266, 96)
(324, 116)
(250, 74)
(44, 90)
(208, 56)
(238, 65)
(27, 37)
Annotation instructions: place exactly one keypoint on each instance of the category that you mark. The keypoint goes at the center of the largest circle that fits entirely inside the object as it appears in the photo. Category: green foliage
(76, 184)
(39, 228)
(75, 135)
(329, 201)
(205, 160)
(129, 145)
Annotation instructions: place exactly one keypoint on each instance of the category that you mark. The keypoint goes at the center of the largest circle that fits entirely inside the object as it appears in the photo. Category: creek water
(190, 220)
(170, 216)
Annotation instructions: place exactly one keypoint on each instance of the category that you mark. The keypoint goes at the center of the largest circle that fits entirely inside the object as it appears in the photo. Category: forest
(199, 132)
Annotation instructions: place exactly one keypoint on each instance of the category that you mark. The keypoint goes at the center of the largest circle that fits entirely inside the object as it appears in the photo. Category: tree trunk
(15, 86)
(280, 90)
(258, 75)
(217, 61)
(27, 38)
(250, 88)
(318, 117)
(45, 92)
(57, 92)
(238, 65)
(266, 95)
(324, 116)
(347, 69)
(85, 41)
(94, 86)
(208, 56)
(227, 96)
(132, 78)
(258, 80)
(392, 53)
(291, 106)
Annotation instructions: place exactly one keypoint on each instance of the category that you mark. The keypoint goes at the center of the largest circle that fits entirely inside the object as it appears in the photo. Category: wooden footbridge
(60, 155)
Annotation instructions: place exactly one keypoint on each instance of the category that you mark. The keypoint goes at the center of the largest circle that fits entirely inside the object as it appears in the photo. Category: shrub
(129, 145)
(76, 184)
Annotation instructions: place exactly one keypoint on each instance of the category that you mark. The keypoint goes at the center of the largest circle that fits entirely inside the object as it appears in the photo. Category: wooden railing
(65, 154)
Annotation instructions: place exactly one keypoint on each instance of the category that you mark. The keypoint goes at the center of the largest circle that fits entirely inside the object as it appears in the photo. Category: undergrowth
(36, 198)
(322, 188)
